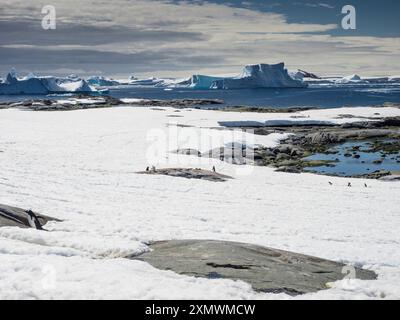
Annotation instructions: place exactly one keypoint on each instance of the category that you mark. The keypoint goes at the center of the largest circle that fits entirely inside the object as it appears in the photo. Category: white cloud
(238, 35)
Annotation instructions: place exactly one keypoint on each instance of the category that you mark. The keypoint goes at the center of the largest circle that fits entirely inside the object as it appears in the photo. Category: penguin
(365, 185)
(349, 185)
(330, 183)
(33, 220)
(214, 170)
(147, 169)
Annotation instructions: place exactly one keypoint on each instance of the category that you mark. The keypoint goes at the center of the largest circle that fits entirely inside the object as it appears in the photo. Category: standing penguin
(33, 220)
(349, 185)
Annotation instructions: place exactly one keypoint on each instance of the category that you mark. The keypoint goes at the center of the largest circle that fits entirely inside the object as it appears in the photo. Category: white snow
(80, 166)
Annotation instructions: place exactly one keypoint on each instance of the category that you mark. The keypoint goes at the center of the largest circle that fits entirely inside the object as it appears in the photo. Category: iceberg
(198, 81)
(32, 84)
(146, 82)
(260, 76)
(350, 79)
(102, 81)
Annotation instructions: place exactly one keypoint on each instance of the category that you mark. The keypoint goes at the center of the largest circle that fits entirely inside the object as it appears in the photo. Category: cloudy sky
(178, 38)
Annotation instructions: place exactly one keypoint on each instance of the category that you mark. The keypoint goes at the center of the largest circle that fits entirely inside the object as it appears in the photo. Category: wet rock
(323, 138)
(265, 269)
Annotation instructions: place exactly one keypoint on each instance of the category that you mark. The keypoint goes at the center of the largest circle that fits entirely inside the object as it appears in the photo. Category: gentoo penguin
(349, 185)
(33, 220)
(330, 183)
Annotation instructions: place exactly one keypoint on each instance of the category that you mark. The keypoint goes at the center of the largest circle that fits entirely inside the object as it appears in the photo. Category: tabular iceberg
(42, 85)
(198, 81)
(261, 76)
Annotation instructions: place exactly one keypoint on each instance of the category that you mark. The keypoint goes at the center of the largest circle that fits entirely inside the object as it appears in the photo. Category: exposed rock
(385, 122)
(105, 101)
(188, 152)
(393, 177)
(190, 173)
(289, 169)
(323, 137)
(17, 217)
(265, 269)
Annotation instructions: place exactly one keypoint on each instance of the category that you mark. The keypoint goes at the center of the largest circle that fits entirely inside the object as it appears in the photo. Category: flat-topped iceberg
(198, 81)
(261, 76)
(252, 76)
(32, 84)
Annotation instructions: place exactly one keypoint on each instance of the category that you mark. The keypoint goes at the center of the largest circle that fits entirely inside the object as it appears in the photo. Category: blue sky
(178, 38)
(374, 18)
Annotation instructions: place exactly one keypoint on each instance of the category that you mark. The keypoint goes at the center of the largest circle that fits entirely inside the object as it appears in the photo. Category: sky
(174, 38)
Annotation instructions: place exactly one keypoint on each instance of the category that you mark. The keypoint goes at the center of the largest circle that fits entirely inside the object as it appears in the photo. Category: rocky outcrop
(189, 173)
(265, 269)
(17, 217)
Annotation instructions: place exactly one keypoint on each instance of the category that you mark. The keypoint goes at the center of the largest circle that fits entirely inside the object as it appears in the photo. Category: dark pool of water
(348, 166)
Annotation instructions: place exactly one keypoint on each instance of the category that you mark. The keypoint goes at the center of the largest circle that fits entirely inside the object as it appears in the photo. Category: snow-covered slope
(42, 85)
(80, 166)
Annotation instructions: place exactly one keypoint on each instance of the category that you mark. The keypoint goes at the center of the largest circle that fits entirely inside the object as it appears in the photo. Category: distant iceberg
(350, 79)
(146, 82)
(198, 81)
(253, 76)
(261, 76)
(42, 85)
(102, 81)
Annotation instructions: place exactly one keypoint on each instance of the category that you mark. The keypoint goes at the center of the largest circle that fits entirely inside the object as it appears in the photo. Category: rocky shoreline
(79, 102)
(305, 140)
(307, 137)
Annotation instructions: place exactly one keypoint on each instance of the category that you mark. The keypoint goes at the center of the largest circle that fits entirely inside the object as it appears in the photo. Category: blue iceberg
(42, 85)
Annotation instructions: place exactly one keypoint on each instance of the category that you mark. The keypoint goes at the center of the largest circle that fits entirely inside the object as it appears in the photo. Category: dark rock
(289, 169)
(188, 152)
(189, 173)
(265, 269)
(17, 217)
(322, 137)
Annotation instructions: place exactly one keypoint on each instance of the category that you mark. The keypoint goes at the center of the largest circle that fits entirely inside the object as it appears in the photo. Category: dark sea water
(319, 96)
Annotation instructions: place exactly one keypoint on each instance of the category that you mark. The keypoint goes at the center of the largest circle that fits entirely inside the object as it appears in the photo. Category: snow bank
(261, 76)
(42, 85)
